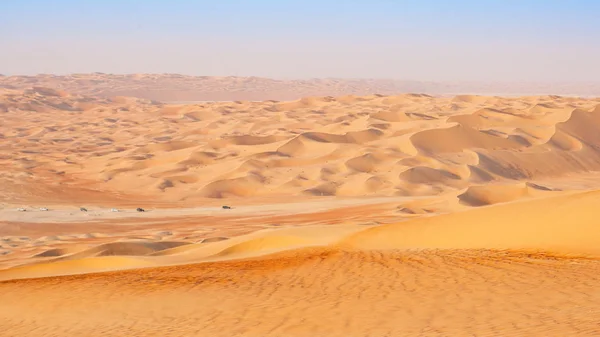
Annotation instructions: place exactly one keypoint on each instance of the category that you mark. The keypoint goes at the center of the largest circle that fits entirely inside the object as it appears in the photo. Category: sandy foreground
(406, 215)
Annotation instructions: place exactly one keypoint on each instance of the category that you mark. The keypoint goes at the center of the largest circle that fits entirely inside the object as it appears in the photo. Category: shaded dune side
(428, 175)
(392, 115)
(264, 244)
(248, 140)
(103, 257)
(565, 142)
(76, 266)
(484, 118)
(294, 146)
(123, 248)
(574, 147)
(237, 187)
(55, 252)
(494, 194)
(533, 165)
(458, 138)
(367, 163)
(584, 126)
(131, 248)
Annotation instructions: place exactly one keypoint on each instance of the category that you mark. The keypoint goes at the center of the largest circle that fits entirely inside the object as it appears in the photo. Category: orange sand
(406, 215)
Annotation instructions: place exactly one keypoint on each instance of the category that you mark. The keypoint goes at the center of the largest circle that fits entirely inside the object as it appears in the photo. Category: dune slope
(563, 224)
(512, 269)
(55, 142)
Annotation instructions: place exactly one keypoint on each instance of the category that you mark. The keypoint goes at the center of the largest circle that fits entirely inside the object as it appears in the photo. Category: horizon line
(298, 78)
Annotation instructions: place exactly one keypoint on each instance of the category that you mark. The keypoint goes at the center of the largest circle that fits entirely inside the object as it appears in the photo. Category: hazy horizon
(502, 41)
(300, 78)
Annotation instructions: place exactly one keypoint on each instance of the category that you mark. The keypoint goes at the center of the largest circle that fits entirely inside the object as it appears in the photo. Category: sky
(425, 40)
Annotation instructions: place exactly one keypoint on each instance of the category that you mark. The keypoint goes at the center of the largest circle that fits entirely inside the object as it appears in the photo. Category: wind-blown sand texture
(405, 215)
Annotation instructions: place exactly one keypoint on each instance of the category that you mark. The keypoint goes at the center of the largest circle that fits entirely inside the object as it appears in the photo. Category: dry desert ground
(371, 215)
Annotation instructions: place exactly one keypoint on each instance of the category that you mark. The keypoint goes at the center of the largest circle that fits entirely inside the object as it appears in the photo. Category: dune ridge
(318, 146)
(543, 224)
(491, 258)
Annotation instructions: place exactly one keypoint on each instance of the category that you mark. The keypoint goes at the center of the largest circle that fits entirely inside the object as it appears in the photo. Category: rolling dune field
(378, 215)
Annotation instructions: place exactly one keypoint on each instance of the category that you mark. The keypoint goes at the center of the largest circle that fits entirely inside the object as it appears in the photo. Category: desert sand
(373, 215)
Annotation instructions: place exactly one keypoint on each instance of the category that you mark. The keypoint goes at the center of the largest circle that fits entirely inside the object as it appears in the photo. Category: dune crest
(349, 146)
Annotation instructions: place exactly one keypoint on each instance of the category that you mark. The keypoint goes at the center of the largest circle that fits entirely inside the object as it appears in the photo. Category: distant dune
(182, 88)
(349, 146)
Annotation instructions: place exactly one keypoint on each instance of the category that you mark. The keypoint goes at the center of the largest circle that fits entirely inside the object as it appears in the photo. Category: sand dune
(548, 224)
(181, 88)
(124, 249)
(527, 225)
(465, 215)
(494, 194)
(76, 266)
(475, 272)
(116, 147)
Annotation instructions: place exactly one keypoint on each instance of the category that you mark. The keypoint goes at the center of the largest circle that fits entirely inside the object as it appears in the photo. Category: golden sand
(406, 215)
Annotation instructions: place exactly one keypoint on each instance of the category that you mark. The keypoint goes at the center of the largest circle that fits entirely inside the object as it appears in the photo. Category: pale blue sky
(536, 40)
